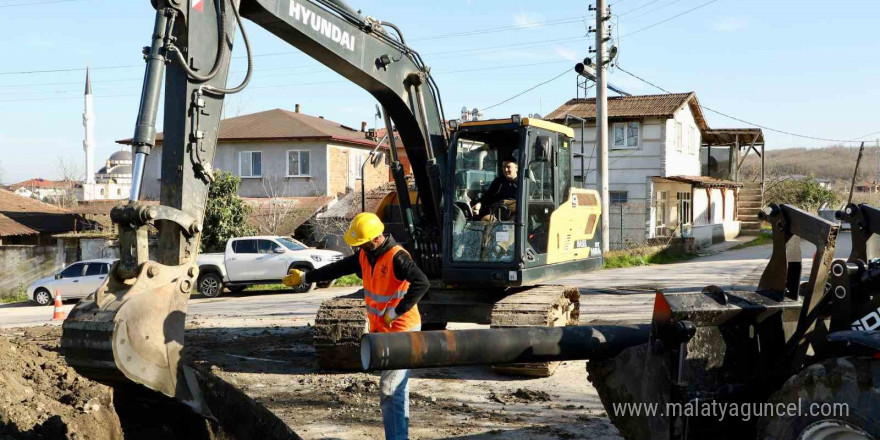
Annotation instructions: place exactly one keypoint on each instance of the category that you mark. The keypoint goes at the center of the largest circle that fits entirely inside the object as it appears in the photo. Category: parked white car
(74, 282)
(250, 261)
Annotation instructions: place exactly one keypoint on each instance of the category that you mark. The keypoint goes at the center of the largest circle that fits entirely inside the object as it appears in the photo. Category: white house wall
(687, 161)
(274, 168)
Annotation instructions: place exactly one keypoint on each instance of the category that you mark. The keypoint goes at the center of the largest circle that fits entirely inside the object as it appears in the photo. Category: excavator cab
(513, 215)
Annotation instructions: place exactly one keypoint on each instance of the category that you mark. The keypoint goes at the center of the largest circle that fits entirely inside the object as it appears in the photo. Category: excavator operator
(393, 284)
(503, 190)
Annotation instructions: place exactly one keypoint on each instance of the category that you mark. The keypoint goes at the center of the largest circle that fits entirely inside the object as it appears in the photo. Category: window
(684, 208)
(266, 246)
(118, 191)
(661, 207)
(679, 146)
(250, 164)
(563, 169)
(356, 163)
(292, 244)
(618, 197)
(298, 163)
(625, 135)
(94, 269)
(73, 271)
(102, 191)
(244, 246)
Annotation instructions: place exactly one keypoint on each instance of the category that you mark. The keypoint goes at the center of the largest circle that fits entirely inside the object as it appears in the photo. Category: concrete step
(750, 225)
(749, 192)
(751, 185)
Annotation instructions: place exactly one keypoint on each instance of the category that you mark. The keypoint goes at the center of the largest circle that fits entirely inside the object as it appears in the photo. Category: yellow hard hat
(364, 227)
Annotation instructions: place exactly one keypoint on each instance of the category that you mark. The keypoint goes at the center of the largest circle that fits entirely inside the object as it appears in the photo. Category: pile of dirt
(43, 398)
(521, 395)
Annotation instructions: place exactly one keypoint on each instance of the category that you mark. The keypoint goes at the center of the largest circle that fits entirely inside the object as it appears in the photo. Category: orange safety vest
(382, 290)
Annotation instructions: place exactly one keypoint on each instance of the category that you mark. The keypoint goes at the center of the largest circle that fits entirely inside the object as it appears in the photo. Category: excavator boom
(131, 329)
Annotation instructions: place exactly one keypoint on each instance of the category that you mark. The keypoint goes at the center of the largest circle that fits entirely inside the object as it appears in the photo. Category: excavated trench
(44, 398)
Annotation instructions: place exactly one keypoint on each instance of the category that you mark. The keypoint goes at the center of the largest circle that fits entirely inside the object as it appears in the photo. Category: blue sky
(801, 66)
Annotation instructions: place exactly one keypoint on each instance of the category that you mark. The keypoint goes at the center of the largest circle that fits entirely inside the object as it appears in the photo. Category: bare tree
(70, 174)
(234, 106)
(279, 213)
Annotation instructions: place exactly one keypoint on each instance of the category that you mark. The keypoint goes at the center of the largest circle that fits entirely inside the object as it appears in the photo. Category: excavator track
(337, 333)
(541, 306)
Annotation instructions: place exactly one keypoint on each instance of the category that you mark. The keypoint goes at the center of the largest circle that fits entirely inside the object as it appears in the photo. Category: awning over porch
(725, 147)
(700, 181)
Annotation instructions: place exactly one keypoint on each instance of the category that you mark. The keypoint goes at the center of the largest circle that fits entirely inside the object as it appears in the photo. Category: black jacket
(404, 269)
(501, 188)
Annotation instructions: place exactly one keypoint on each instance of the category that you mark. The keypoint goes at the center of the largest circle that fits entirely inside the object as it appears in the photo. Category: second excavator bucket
(132, 330)
(725, 344)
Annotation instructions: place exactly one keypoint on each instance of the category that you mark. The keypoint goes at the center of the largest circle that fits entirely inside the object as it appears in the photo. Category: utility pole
(602, 16)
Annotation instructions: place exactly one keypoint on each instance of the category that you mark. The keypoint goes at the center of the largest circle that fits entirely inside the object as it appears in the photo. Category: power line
(637, 8)
(665, 5)
(668, 19)
(40, 3)
(466, 33)
(503, 28)
(529, 89)
(763, 127)
(289, 85)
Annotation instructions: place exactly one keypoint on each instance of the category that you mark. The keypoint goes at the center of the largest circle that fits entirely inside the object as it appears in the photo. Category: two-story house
(655, 185)
(286, 154)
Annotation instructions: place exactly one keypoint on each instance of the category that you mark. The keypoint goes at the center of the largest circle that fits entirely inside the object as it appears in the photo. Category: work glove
(389, 316)
(294, 278)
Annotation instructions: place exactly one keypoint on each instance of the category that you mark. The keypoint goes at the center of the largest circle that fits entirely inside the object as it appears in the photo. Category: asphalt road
(611, 295)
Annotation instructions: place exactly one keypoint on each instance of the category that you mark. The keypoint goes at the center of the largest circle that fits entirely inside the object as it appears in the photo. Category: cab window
(541, 192)
(244, 246)
(486, 189)
(266, 246)
(73, 271)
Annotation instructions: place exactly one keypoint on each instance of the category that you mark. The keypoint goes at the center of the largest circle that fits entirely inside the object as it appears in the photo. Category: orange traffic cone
(59, 312)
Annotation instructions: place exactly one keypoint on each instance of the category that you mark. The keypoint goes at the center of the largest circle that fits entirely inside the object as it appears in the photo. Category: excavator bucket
(132, 330)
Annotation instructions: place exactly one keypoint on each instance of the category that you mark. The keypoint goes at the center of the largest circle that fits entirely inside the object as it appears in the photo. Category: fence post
(621, 226)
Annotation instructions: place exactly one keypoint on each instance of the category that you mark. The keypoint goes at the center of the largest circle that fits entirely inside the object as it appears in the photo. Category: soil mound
(43, 398)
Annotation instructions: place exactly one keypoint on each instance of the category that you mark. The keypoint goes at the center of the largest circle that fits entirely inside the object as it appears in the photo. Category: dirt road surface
(262, 344)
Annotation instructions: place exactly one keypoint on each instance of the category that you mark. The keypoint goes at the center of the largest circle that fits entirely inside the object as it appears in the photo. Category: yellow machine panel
(573, 226)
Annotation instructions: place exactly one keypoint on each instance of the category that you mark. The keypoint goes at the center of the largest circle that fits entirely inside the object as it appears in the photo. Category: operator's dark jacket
(405, 269)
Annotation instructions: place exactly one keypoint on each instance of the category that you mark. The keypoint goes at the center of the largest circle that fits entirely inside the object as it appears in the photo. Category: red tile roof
(632, 107)
(42, 183)
(278, 124)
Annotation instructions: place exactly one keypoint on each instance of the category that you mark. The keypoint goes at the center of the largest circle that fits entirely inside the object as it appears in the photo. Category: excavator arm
(131, 329)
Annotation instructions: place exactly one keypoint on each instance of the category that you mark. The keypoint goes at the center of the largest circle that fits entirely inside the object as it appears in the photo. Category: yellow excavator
(486, 267)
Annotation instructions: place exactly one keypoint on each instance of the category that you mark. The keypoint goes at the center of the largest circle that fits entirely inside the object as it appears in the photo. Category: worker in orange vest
(393, 284)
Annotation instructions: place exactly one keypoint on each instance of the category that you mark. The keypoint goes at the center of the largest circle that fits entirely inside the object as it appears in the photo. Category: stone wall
(22, 265)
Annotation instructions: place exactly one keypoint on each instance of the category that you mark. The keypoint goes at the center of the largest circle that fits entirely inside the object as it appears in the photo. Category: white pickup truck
(259, 260)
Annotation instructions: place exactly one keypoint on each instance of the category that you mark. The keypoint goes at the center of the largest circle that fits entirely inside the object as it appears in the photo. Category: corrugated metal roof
(632, 107)
(279, 124)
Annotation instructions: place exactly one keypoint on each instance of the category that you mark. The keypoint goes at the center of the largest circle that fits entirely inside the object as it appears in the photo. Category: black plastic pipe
(453, 348)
